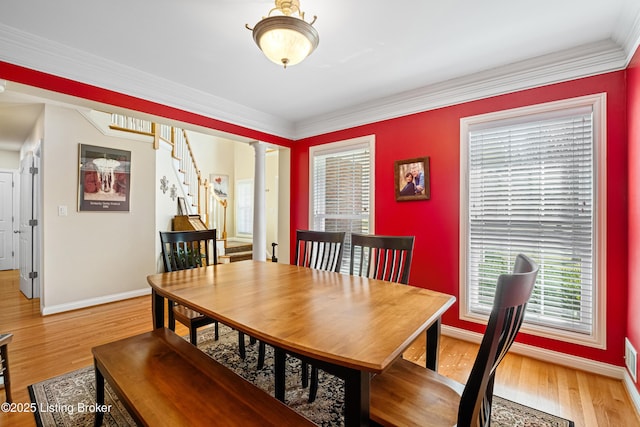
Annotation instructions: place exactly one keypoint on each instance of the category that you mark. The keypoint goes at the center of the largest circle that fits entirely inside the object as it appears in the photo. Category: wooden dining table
(350, 326)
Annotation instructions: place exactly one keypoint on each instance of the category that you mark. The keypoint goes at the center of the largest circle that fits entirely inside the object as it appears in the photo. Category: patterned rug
(66, 400)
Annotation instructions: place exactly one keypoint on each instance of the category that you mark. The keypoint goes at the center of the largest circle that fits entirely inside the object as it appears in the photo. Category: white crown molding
(583, 61)
(27, 50)
(24, 49)
(628, 37)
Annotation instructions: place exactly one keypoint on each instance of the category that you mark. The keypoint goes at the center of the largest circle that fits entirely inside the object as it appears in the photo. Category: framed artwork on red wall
(412, 179)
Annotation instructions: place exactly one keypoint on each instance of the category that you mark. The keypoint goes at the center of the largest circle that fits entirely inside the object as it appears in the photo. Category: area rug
(66, 400)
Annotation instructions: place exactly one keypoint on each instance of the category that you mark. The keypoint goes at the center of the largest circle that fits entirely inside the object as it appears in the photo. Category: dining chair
(409, 394)
(182, 250)
(5, 339)
(381, 257)
(320, 250)
(376, 257)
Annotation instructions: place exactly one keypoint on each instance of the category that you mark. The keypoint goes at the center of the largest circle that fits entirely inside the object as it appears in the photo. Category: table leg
(356, 398)
(279, 362)
(432, 344)
(4, 371)
(157, 308)
(99, 415)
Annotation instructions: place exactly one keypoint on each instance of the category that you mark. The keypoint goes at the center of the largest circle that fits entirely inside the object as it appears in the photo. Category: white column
(259, 203)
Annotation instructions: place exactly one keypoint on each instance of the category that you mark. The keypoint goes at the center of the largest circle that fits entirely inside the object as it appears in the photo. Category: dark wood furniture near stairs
(408, 394)
(187, 223)
(164, 381)
(182, 250)
(5, 339)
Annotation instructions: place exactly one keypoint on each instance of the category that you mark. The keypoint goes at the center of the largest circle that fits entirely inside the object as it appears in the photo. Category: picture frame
(220, 185)
(412, 179)
(104, 179)
(182, 206)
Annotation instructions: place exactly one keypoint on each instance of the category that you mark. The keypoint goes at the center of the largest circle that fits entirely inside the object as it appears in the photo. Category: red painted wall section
(53, 83)
(434, 222)
(633, 117)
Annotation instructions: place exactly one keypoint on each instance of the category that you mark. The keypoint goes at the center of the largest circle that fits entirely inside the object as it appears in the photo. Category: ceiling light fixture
(285, 38)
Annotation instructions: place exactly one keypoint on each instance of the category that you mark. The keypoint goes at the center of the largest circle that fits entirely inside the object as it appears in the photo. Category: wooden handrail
(180, 150)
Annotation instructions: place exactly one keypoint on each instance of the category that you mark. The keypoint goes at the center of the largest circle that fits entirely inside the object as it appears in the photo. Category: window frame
(367, 142)
(597, 337)
(248, 182)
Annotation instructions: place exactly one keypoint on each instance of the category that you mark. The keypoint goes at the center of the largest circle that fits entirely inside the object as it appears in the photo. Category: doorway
(7, 218)
(29, 224)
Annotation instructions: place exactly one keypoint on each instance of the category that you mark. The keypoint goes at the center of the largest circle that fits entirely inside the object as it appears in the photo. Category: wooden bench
(163, 380)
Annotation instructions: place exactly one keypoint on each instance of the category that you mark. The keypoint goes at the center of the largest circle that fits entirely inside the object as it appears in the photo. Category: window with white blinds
(530, 186)
(341, 179)
(244, 207)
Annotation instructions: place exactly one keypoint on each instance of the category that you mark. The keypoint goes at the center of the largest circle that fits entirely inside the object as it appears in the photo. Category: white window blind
(244, 207)
(341, 182)
(531, 189)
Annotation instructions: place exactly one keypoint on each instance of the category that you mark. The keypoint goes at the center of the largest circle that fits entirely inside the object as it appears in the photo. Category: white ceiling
(376, 59)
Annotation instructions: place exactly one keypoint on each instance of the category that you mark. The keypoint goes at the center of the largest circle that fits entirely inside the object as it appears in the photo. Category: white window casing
(341, 182)
(533, 180)
(244, 207)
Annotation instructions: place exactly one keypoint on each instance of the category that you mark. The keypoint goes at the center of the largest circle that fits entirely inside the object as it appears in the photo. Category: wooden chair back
(182, 250)
(321, 250)
(381, 257)
(511, 297)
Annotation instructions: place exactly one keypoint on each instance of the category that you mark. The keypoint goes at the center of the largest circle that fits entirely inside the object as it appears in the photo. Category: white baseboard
(550, 356)
(94, 301)
(600, 368)
(632, 390)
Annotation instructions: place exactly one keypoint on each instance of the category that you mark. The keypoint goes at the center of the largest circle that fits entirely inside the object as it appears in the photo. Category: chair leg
(99, 415)
(305, 374)
(217, 331)
(241, 345)
(261, 354)
(313, 388)
(172, 317)
(193, 335)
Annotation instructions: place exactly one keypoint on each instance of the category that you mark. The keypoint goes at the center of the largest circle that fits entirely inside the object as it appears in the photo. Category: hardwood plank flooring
(46, 346)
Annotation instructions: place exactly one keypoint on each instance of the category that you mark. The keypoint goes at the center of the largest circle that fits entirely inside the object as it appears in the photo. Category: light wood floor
(44, 347)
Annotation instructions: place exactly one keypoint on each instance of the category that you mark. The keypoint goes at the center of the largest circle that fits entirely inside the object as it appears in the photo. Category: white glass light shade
(285, 40)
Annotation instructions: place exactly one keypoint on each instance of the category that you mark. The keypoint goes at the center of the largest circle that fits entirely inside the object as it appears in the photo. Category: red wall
(53, 83)
(633, 117)
(435, 222)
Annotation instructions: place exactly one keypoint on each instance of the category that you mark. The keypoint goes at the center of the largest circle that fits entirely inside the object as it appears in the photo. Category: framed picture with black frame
(104, 179)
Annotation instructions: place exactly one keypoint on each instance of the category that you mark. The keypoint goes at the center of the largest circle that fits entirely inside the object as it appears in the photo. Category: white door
(28, 273)
(6, 221)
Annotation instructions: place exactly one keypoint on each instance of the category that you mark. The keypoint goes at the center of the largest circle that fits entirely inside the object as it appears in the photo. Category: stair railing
(192, 183)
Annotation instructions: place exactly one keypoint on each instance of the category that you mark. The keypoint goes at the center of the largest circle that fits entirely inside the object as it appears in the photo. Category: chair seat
(414, 392)
(188, 316)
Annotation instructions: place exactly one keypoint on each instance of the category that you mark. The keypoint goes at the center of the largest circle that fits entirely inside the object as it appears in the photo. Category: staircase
(236, 251)
(200, 200)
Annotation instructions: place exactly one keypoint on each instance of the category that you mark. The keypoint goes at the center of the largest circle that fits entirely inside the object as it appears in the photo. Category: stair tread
(235, 254)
